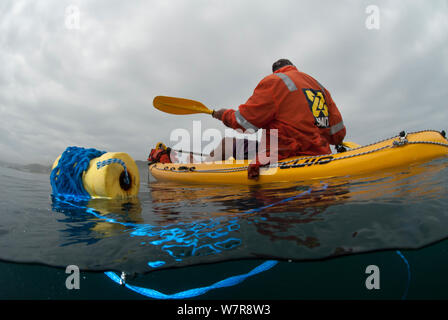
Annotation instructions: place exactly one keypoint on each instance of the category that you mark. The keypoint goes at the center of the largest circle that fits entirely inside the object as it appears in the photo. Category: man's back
(296, 105)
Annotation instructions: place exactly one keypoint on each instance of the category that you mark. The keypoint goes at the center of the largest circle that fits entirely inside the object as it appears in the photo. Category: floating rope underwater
(228, 282)
(231, 281)
(409, 274)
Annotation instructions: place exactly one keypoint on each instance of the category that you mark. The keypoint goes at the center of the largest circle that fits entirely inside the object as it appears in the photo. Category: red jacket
(295, 104)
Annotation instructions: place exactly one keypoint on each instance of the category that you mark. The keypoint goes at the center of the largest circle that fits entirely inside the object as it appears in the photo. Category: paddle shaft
(190, 152)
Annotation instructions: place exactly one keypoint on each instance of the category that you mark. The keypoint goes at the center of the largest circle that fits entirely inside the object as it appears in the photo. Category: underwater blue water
(176, 237)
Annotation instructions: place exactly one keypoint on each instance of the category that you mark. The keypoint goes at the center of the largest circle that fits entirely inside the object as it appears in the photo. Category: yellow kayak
(399, 151)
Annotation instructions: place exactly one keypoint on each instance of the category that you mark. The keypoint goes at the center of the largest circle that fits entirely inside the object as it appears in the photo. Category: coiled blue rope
(66, 177)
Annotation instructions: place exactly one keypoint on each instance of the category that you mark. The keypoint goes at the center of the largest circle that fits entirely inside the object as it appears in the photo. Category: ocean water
(172, 238)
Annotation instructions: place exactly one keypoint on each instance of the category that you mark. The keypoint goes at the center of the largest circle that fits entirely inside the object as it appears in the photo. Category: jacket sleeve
(337, 131)
(258, 111)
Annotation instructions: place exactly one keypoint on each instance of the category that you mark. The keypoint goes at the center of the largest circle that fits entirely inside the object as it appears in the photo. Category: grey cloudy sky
(93, 86)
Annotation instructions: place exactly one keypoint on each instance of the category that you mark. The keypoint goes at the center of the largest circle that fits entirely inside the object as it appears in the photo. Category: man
(297, 106)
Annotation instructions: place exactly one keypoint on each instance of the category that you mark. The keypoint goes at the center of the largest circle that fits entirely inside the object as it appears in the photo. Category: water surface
(170, 225)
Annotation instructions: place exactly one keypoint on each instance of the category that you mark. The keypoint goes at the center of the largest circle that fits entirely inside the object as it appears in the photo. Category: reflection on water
(182, 224)
(75, 212)
(176, 225)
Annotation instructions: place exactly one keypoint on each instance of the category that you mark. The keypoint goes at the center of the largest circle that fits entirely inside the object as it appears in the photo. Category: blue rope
(101, 164)
(409, 275)
(231, 281)
(228, 282)
(75, 160)
(66, 177)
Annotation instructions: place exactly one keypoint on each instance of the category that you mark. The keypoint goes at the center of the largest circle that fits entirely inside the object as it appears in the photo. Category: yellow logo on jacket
(318, 106)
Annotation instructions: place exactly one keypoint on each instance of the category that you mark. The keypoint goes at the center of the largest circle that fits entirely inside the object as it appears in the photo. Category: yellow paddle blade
(350, 145)
(179, 105)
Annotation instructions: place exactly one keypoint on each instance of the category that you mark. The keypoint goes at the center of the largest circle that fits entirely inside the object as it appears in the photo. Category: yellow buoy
(109, 181)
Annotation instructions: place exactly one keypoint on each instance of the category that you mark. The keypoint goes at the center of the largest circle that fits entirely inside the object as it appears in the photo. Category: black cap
(281, 63)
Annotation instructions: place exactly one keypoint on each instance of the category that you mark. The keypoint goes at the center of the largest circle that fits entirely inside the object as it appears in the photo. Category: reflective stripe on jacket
(295, 104)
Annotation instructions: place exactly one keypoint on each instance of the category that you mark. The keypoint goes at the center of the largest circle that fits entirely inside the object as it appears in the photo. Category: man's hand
(217, 114)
